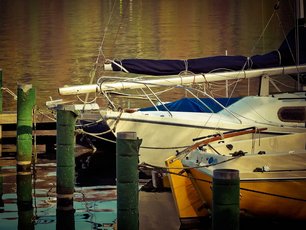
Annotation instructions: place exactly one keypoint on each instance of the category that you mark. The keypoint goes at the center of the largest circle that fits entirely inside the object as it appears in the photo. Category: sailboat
(165, 129)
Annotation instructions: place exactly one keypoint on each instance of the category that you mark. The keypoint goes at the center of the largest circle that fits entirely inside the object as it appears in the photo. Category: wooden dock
(44, 132)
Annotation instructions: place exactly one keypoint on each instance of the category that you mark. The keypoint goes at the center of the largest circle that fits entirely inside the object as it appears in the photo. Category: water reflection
(24, 201)
(29, 201)
(65, 219)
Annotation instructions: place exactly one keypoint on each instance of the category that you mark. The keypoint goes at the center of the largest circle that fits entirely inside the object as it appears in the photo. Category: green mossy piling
(127, 148)
(26, 99)
(65, 160)
(225, 204)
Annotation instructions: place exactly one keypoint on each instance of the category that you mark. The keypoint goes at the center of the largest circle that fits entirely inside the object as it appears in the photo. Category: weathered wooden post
(225, 205)
(26, 97)
(127, 148)
(65, 147)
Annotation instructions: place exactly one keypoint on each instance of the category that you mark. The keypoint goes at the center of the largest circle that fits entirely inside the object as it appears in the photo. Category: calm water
(54, 43)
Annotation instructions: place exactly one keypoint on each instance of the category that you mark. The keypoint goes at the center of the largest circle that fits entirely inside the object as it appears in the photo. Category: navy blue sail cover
(194, 105)
(284, 56)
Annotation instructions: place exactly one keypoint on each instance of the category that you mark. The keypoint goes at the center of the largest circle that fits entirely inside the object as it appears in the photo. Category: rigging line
(285, 36)
(119, 27)
(187, 168)
(276, 7)
(79, 131)
(9, 92)
(34, 172)
(295, 58)
(100, 53)
(155, 147)
(273, 194)
(104, 35)
(189, 176)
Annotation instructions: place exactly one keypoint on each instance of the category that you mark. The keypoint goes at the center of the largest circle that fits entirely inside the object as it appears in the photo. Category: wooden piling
(127, 148)
(65, 142)
(25, 104)
(225, 205)
(26, 97)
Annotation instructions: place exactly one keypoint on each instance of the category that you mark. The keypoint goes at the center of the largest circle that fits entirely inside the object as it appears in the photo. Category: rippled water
(94, 206)
(54, 43)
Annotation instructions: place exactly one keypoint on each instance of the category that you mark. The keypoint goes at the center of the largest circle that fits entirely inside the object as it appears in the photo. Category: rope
(153, 147)
(166, 169)
(10, 92)
(100, 53)
(273, 194)
(103, 38)
(276, 7)
(81, 131)
(44, 114)
(117, 64)
(86, 102)
(34, 137)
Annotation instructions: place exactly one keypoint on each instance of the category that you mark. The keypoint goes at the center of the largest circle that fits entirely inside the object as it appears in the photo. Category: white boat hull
(163, 136)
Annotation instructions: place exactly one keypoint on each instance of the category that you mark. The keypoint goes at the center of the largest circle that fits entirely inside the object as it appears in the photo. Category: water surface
(54, 43)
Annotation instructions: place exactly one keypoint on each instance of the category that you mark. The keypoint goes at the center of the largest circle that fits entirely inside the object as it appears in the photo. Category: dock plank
(8, 118)
(44, 131)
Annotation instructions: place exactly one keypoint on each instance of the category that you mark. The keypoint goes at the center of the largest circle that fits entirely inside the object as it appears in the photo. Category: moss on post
(127, 148)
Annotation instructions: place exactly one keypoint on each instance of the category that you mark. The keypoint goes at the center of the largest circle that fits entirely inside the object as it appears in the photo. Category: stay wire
(276, 7)
(100, 53)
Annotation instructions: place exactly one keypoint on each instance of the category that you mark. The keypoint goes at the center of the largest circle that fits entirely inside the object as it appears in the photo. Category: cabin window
(292, 114)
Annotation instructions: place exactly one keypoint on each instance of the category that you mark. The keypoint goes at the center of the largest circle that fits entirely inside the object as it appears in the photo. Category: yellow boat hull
(276, 195)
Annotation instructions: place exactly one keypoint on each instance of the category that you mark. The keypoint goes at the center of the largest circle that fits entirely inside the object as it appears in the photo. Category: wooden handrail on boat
(218, 136)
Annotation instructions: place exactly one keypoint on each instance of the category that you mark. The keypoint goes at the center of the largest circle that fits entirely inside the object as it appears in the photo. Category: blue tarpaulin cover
(194, 105)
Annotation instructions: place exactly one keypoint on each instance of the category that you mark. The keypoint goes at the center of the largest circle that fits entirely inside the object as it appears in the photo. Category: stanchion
(127, 148)
(225, 205)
